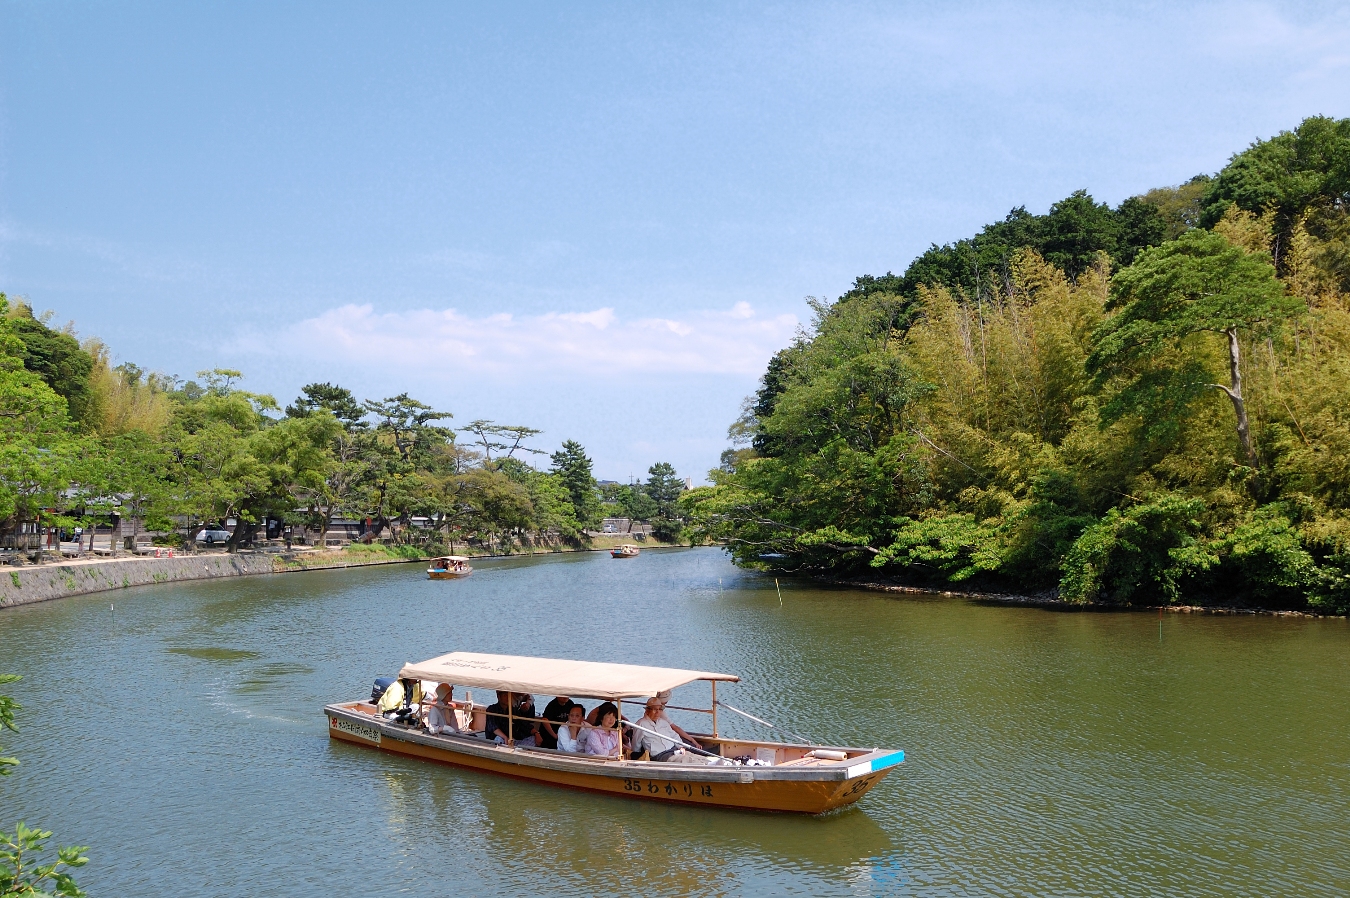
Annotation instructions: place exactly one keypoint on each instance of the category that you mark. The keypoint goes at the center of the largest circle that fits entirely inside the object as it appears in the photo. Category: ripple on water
(1048, 754)
(215, 653)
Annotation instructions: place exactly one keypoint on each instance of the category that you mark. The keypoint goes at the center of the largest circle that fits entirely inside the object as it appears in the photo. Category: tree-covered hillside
(1142, 404)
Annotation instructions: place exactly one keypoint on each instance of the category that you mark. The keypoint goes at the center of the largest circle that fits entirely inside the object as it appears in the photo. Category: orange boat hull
(750, 788)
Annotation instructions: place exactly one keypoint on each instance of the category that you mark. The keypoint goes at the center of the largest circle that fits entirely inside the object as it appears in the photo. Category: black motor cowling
(381, 685)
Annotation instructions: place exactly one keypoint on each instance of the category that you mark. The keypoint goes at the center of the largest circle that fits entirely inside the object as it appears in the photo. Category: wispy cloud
(734, 341)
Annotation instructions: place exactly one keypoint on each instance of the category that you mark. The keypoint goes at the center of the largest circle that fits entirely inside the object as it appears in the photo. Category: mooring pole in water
(1160, 625)
(780, 592)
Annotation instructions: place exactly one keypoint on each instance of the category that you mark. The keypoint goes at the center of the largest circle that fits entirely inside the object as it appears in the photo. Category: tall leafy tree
(1196, 286)
(1302, 179)
(503, 439)
(573, 468)
(1181, 207)
(410, 425)
(217, 474)
(337, 401)
(56, 357)
(664, 487)
(1077, 228)
(412, 441)
(354, 459)
(39, 452)
(635, 504)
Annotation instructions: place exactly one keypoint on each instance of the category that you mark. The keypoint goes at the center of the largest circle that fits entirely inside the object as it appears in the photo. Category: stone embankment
(25, 585)
(22, 586)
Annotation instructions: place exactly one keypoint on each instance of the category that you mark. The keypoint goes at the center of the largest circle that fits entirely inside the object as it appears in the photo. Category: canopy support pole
(714, 708)
(769, 725)
(511, 719)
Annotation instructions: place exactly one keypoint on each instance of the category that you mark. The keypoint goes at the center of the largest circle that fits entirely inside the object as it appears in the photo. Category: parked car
(212, 535)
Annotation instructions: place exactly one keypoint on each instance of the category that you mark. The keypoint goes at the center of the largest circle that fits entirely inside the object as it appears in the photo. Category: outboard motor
(381, 685)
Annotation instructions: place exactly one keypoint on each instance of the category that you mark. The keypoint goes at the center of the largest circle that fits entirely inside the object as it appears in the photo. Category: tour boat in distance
(448, 567)
(726, 772)
(624, 551)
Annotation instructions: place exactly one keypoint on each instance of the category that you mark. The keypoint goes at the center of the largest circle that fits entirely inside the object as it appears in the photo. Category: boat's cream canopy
(550, 676)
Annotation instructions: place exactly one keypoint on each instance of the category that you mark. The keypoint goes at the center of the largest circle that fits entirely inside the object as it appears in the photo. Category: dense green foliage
(1135, 405)
(572, 467)
(1301, 179)
(1069, 236)
(204, 451)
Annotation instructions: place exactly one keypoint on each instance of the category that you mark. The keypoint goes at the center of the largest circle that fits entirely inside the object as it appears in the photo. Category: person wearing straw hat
(441, 712)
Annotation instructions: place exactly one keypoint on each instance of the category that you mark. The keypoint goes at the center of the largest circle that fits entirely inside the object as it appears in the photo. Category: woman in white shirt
(441, 713)
(603, 739)
(572, 734)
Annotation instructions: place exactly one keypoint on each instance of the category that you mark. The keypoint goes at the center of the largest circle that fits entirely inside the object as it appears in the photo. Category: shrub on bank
(379, 550)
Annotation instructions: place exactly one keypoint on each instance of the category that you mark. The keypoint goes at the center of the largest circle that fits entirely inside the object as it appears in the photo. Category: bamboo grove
(1146, 404)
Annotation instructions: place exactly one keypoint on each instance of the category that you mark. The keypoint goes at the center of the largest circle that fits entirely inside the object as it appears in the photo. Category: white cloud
(736, 341)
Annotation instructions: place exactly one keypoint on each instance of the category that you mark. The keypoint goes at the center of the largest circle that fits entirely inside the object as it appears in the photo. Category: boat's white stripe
(858, 770)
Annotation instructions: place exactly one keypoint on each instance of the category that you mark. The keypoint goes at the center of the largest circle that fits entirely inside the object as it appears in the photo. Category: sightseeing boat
(727, 772)
(624, 551)
(448, 567)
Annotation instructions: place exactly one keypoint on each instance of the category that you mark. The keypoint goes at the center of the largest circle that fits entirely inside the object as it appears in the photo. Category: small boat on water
(724, 772)
(624, 551)
(448, 567)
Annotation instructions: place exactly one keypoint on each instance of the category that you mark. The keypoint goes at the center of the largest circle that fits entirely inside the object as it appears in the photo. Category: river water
(179, 734)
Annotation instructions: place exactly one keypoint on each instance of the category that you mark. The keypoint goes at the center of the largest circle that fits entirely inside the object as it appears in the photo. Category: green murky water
(1048, 754)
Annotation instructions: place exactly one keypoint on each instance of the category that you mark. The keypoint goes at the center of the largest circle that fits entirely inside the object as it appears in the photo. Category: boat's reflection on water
(494, 830)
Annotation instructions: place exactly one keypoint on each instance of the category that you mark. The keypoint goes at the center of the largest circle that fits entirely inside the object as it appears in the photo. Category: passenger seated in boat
(664, 738)
(572, 733)
(555, 712)
(497, 720)
(593, 718)
(603, 739)
(525, 733)
(441, 717)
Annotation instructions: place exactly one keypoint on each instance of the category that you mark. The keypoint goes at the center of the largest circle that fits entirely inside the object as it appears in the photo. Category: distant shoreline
(30, 585)
(1048, 602)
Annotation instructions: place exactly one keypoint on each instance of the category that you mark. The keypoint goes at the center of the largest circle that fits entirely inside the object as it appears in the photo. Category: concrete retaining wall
(21, 586)
(25, 585)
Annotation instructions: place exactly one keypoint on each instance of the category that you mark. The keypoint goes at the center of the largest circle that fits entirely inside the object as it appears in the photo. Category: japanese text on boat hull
(360, 731)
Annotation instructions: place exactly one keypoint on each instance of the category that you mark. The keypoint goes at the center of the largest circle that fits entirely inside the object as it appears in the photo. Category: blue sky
(598, 220)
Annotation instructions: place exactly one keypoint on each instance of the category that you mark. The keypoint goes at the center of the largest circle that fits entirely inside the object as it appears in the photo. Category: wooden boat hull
(448, 575)
(615, 553)
(814, 789)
